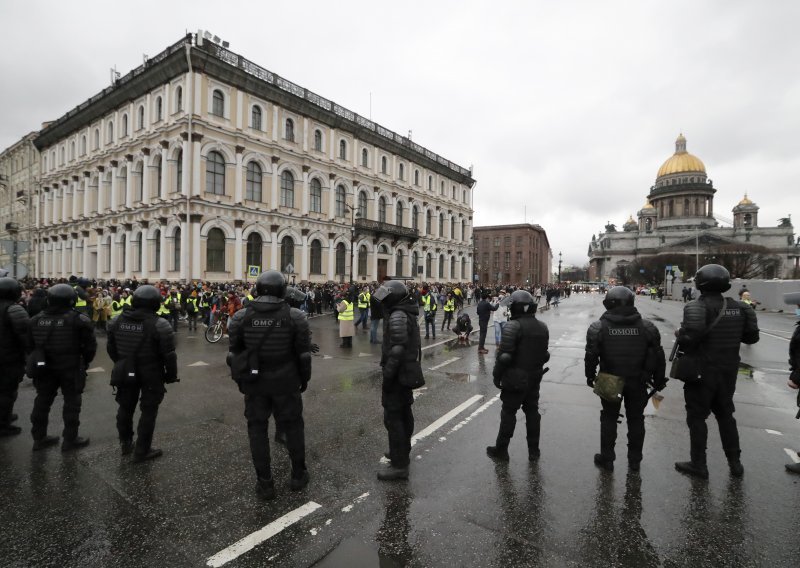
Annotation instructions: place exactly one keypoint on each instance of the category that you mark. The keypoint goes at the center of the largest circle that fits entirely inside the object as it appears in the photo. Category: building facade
(200, 164)
(678, 220)
(512, 254)
(19, 178)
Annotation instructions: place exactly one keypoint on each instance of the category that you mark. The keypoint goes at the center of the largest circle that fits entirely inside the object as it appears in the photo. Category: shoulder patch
(623, 331)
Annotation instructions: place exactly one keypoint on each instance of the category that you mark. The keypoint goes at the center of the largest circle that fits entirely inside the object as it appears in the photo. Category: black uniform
(284, 369)
(719, 350)
(141, 334)
(399, 353)
(626, 345)
(13, 345)
(69, 343)
(523, 352)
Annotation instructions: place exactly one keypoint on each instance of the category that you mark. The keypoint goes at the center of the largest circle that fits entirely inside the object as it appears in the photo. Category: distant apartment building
(19, 178)
(512, 254)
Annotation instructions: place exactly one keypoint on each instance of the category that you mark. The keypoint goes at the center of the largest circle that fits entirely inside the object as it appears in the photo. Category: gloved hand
(303, 386)
(229, 358)
(170, 380)
(590, 381)
(660, 383)
(498, 383)
(314, 348)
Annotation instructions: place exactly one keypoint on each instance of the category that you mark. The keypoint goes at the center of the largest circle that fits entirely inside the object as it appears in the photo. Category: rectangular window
(497, 241)
(496, 260)
(506, 260)
(519, 241)
(507, 242)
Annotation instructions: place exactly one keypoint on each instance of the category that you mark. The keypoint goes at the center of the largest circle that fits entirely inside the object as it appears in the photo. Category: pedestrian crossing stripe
(198, 364)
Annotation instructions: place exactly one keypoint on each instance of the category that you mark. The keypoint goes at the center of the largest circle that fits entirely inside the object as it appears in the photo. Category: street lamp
(354, 214)
(559, 267)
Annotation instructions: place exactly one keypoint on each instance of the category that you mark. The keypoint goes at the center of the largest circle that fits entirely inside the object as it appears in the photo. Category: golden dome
(746, 201)
(648, 205)
(681, 161)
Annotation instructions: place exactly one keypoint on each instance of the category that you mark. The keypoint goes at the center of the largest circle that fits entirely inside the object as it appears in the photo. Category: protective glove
(229, 359)
(590, 381)
(303, 386)
(170, 380)
(497, 382)
(660, 383)
(314, 348)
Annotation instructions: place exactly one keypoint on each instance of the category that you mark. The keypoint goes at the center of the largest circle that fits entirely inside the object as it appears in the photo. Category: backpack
(124, 372)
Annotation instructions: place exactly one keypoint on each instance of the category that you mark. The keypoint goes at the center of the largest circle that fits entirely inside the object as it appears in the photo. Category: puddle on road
(462, 377)
(356, 553)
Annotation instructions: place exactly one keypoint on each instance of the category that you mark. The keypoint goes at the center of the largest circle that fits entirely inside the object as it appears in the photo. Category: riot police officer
(63, 345)
(270, 360)
(518, 372)
(13, 342)
(714, 327)
(400, 358)
(625, 345)
(793, 298)
(142, 346)
(81, 304)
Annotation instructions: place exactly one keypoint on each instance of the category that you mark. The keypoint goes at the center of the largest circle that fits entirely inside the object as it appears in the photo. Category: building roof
(681, 161)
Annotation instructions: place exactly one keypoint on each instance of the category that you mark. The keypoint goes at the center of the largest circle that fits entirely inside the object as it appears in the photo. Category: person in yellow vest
(192, 310)
(363, 308)
(449, 307)
(429, 307)
(344, 307)
(116, 305)
(81, 304)
(172, 305)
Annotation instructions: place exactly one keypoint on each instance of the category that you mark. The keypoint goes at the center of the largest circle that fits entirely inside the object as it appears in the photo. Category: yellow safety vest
(449, 305)
(428, 305)
(116, 308)
(127, 301)
(347, 314)
(80, 302)
(193, 302)
(363, 300)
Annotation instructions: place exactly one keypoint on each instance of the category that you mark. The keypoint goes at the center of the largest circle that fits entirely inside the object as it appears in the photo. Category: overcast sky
(566, 109)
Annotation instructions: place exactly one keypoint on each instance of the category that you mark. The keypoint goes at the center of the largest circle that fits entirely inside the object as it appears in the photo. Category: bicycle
(216, 330)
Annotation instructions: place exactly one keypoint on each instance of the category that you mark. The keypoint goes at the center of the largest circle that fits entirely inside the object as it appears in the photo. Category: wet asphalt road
(95, 508)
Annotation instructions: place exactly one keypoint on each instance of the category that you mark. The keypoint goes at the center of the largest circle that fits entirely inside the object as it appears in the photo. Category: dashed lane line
(792, 454)
(254, 539)
(432, 345)
(440, 365)
(775, 336)
(773, 432)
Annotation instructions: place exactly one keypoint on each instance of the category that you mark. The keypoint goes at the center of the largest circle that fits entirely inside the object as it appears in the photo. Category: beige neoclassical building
(200, 164)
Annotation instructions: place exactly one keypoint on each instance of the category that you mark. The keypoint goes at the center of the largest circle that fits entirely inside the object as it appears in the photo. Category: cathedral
(677, 227)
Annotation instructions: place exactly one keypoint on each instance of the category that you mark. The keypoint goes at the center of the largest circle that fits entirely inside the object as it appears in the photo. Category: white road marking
(346, 509)
(198, 364)
(436, 424)
(327, 357)
(252, 540)
(775, 336)
(480, 409)
(773, 432)
(96, 370)
(365, 354)
(437, 344)
(792, 454)
(416, 393)
(440, 365)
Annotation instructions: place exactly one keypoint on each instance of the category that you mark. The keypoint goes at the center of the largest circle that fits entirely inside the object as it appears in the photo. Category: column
(162, 188)
(303, 256)
(331, 197)
(54, 206)
(76, 210)
(392, 263)
(101, 259)
(196, 139)
(331, 260)
(44, 272)
(46, 219)
(332, 146)
(146, 179)
(85, 260)
(129, 185)
(238, 271)
(305, 134)
(237, 176)
(275, 260)
(63, 267)
(373, 266)
(101, 195)
(304, 195)
(354, 245)
(114, 185)
(162, 266)
(275, 125)
(127, 271)
(64, 209)
(186, 169)
(196, 271)
(184, 249)
(144, 269)
(86, 199)
(112, 253)
(273, 203)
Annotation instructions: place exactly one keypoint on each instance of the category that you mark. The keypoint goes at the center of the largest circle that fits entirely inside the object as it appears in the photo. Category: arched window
(253, 185)
(218, 103)
(287, 253)
(110, 137)
(318, 140)
(441, 188)
(416, 177)
(428, 222)
(430, 183)
(441, 225)
(83, 145)
(401, 171)
(159, 173)
(342, 150)
(316, 257)
(122, 253)
(453, 193)
(452, 228)
(382, 209)
(138, 250)
(398, 214)
(124, 125)
(441, 266)
(138, 179)
(71, 150)
(287, 189)
(383, 164)
(452, 267)
(215, 251)
(414, 263)
(159, 109)
(316, 196)
(463, 230)
(398, 265)
(44, 163)
(179, 99)
(289, 130)
(364, 157)
(157, 256)
(340, 194)
(215, 173)
(255, 118)
(140, 118)
(428, 266)
(255, 246)
(107, 254)
(178, 170)
(96, 138)
(341, 253)
(464, 195)
(362, 260)
(414, 218)
(362, 205)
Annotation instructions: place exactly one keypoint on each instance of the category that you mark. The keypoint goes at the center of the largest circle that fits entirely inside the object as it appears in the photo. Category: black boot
(392, 473)
(9, 430)
(74, 444)
(693, 469)
(603, 463)
(45, 442)
(150, 454)
(736, 467)
(265, 488)
(498, 453)
(299, 480)
(126, 447)
(280, 437)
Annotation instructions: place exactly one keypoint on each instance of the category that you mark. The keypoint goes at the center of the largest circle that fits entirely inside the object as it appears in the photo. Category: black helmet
(84, 282)
(391, 293)
(618, 296)
(271, 283)
(61, 296)
(146, 298)
(294, 297)
(713, 278)
(522, 303)
(10, 289)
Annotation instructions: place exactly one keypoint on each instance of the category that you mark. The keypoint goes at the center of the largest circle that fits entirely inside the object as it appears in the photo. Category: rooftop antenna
(114, 74)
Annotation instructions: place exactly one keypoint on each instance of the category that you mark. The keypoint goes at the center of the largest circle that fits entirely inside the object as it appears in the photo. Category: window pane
(316, 196)
(362, 205)
(256, 118)
(215, 173)
(287, 189)
(316, 257)
(340, 193)
(382, 210)
(254, 186)
(287, 253)
(215, 251)
(218, 103)
(254, 248)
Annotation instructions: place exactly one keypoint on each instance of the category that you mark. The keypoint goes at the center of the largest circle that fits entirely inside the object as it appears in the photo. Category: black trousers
(634, 396)
(127, 398)
(512, 401)
(483, 325)
(399, 422)
(288, 411)
(448, 320)
(10, 378)
(713, 393)
(46, 391)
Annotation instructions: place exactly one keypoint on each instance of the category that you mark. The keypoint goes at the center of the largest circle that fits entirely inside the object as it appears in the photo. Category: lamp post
(354, 214)
(559, 267)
